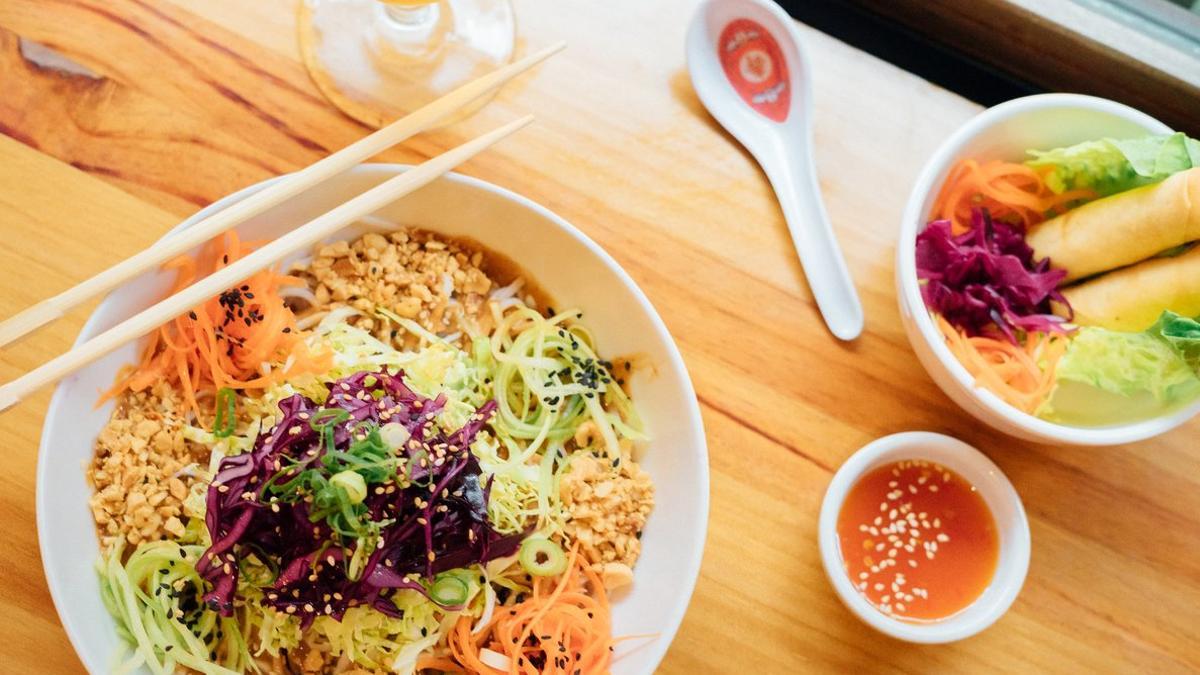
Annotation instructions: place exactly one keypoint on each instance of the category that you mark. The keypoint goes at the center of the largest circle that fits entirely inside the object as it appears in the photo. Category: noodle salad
(387, 460)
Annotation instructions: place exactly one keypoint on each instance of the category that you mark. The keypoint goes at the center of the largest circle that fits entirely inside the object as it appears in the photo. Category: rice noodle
(509, 291)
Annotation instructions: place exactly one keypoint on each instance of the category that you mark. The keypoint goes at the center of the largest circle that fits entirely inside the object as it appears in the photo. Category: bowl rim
(909, 293)
(690, 570)
(963, 458)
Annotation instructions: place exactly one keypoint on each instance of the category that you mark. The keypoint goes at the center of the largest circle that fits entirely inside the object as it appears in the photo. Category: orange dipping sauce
(917, 540)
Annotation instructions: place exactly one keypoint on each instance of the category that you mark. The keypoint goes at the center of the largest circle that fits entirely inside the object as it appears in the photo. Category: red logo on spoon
(756, 68)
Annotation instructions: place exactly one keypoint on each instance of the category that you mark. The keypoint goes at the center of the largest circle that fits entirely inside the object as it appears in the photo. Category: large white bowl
(571, 267)
(1005, 132)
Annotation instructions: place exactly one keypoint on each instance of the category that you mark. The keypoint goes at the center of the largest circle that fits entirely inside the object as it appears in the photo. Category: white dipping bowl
(1005, 132)
(1012, 527)
(572, 268)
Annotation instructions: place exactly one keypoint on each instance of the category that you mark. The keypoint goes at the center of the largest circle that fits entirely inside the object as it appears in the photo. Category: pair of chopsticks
(301, 238)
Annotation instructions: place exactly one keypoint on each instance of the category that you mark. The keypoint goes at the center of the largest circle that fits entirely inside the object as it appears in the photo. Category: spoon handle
(794, 178)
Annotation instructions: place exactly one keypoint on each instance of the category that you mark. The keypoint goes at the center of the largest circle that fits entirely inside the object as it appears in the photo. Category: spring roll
(1122, 229)
(1131, 299)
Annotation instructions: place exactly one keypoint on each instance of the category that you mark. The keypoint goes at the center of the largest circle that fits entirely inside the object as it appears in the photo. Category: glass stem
(411, 17)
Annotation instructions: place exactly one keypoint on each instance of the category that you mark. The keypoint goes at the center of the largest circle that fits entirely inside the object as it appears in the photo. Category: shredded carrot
(1021, 375)
(563, 628)
(1011, 192)
(226, 341)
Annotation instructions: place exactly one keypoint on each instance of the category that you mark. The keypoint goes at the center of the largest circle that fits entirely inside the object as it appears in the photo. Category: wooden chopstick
(298, 239)
(48, 310)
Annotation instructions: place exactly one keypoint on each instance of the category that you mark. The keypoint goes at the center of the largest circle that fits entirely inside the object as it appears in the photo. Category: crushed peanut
(608, 507)
(412, 273)
(138, 454)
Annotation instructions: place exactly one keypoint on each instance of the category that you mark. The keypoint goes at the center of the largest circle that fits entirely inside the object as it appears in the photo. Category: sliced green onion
(449, 590)
(352, 483)
(327, 417)
(542, 557)
(226, 421)
(394, 435)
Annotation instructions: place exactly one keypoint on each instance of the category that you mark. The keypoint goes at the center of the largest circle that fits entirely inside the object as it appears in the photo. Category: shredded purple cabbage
(987, 279)
(435, 517)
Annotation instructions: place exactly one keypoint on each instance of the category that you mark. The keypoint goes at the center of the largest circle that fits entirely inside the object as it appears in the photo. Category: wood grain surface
(188, 100)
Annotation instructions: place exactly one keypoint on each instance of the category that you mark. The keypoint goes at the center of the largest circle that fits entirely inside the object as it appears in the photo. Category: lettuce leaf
(1128, 364)
(1109, 165)
(1182, 334)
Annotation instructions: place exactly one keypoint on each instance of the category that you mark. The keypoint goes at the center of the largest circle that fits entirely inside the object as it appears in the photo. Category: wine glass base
(379, 62)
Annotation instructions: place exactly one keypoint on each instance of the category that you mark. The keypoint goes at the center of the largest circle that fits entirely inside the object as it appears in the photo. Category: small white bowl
(1005, 132)
(1011, 526)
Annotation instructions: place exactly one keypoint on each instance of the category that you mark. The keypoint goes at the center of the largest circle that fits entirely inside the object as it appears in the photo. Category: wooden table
(193, 99)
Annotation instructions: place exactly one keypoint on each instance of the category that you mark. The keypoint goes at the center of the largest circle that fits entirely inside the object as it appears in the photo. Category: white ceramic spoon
(749, 69)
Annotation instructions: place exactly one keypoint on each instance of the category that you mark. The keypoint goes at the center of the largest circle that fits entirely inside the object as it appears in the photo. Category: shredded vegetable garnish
(564, 627)
(225, 342)
(155, 597)
(1012, 192)
(1021, 375)
(549, 381)
(542, 557)
(226, 418)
